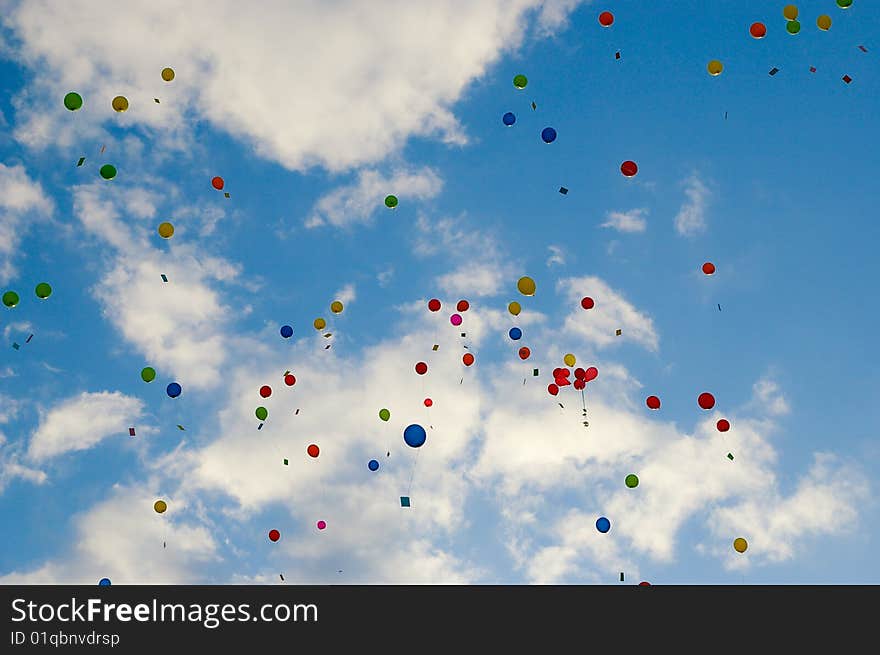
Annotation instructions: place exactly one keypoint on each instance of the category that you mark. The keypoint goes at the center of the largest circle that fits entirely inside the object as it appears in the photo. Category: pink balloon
(455, 319)
(322, 525)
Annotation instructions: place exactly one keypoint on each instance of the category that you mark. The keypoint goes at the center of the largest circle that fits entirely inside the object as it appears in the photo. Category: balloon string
(413, 472)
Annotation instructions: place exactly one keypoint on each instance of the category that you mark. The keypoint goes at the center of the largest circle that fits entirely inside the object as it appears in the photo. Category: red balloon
(289, 380)
(629, 168)
(434, 305)
(265, 391)
(587, 302)
(591, 373)
(274, 535)
(706, 400)
(552, 389)
(562, 382)
(313, 450)
(580, 373)
(758, 30)
(428, 402)
(468, 359)
(708, 268)
(723, 425)
(524, 353)
(653, 402)
(606, 18)
(579, 384)
(462, 305)
(557, 372)
(421, 368)
(217, 183)
(644, 584)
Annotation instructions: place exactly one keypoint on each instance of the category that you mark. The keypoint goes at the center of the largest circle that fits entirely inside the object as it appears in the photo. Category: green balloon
(148, 374)
(793, 27)
(520, 81)
(844, 4)
(10, 299)
(391, 201)
(384, 414)
(632, 481)
(108, 172)
(262, 413)
(73, 101)
(43, 290)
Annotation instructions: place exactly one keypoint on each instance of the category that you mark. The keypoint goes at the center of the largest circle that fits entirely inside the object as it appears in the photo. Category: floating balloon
(467, 359)
(43, 290)
(824, 22)
(569, 359)
(514, 308)
(10, 299)
(434, 305)
(336, 307)
(793, 27)
(120, 104)
(758, 30)
(384, 414)
(421, 368)
(321, 525)
(603, 525)
(73, 101)
(428, 402)
(319, 323)
(706, 400)
(274, 535)
(217, 182)
(166, 230)
(508, 119)
(107, 171)
(524, 353)
(644, 583)
(606, 18)
(173, 390)
(286, 331)
(148, 374)
(629, 168)
(740, 545)
(160, 506)
(391, 202)
(580, 385)
(414, 435)
(715, 67)
(552, 389)
(520, 81)
(313, 450)
(373, 465)
(463, 305)
(790, 12)
(455, 319)
(844, 4)
(709, 268)
(104, 582)
(289, 380)
(548, 134)
(515, 333)
(723, 425)
(587, 302)
(580, 373)
(653, 402)
(632, 481)
(262, 413)
(167, 74)
(526, 286)
(591, 373)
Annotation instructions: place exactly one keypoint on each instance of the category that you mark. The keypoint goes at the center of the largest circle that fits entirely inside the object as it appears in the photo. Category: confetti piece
(730, 456)
(621, 576)
(282, 577)
(618, 332)
(563, 190)
(617, 55)
(28, 340)
(774, 70)
(812, 69)
(80, 162)
(157, 100)
(534, 106)
(226, 194)
(102, 150)
(285, 463)
(719, 307)
(561, 405)
(535, 372)
(164, 279)
(404, 501)
(180, 427)
(863, 48)
(131, 432)
(329, 334)
(327, 347)
(16, 346)
(436, 347)
(296, 413)
(464, 334)
(847, 79)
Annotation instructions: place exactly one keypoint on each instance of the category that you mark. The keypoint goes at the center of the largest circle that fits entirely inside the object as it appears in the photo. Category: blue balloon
(286, 331)
(603, 525)
(515, 333)
(373, 465)
(548, 134)
(509, 118)
(105, 582)
(173, 390)
(414, 435)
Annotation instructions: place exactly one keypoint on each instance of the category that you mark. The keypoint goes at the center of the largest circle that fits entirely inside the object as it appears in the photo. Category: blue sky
(312, 114)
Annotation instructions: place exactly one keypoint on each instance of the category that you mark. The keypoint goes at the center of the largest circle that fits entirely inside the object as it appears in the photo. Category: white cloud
(476, 279)
(359, 202)
(10, 453)
(384, 276)
(82, 422)
(631, 221)
(345, 295)
(691, 218)
(557, 256)
(767, 394)
(611, 312)
(20, 199)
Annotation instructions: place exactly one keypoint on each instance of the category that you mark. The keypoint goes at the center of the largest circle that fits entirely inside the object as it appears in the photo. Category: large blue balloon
(286, 331)
(414, 435)
(173, 390)
(373, 465)
(509, 118)
(603, 525)
(105, 582)
(548, 134)
(515, 333)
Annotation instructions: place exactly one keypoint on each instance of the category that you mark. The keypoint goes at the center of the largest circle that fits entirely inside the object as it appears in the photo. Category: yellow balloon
(336, 307)
(167, 74)
(740, 545)
(569, 359)
(715, 67)
(790, 12)
(120, 103)
(526, 286)
(166, 230)
(514, 308)
(160, 506)
(824, 22)
(320, 323)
